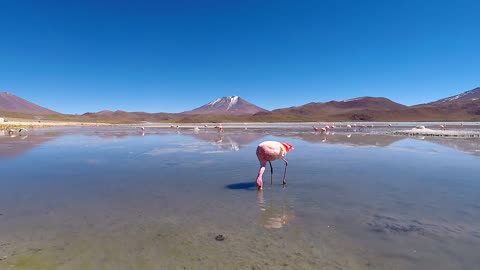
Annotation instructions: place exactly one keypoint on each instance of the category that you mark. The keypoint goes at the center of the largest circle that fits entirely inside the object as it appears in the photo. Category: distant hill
(128, 117)
(465, 97)
(232, 105)
(12, 103)
(462, 107)
(355, 109)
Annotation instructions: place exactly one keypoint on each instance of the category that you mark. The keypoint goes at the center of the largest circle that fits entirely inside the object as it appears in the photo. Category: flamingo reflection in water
(274, 214)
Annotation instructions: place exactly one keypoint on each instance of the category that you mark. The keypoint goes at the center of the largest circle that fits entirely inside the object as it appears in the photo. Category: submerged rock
(220, 237)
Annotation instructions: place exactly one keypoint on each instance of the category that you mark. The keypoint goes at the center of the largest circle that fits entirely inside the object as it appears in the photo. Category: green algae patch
(34, 262)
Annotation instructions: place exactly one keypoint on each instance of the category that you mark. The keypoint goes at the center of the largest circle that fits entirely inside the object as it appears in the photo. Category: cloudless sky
(172, 56)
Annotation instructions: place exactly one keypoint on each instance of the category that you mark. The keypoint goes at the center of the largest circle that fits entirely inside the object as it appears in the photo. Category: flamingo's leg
(271, 172)
(285, 172)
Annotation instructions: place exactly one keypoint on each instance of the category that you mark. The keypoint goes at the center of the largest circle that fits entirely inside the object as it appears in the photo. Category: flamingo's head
(288, 146)
(259, 183)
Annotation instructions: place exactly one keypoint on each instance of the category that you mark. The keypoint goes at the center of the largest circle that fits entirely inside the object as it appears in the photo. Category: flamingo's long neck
(260, 176)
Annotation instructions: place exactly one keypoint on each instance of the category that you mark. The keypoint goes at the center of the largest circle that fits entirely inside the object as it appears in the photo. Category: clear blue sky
(171, 56)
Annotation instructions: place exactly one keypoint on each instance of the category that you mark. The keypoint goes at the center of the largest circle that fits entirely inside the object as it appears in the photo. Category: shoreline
(453, 129)
(47, 124)
(438, 133)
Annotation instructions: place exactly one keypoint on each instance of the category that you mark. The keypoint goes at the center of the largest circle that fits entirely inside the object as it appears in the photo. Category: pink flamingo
(315, 128)
(442, 126)
(220, 128)
(268, 151)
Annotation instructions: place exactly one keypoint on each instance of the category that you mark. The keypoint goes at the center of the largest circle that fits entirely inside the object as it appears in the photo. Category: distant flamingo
(269, 151)
(315, 128)
(442, 126)
(142, 128)
(220, 128)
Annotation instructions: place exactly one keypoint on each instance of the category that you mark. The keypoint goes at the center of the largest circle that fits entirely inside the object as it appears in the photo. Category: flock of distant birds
(349, 127)
(325, 129)
(196, 129)
(218, 127)
(12, 132)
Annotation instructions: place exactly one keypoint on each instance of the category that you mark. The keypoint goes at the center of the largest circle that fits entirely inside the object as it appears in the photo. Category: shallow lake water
(114, 198)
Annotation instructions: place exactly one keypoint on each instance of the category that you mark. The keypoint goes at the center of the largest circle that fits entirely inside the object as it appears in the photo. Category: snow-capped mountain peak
(232, 102)
(353, 99)
(227, 105)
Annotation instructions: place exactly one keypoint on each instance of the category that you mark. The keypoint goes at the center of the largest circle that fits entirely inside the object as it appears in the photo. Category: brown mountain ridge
(462, 107)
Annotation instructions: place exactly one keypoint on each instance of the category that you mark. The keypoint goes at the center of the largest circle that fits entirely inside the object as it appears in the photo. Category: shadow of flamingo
(242, 185)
